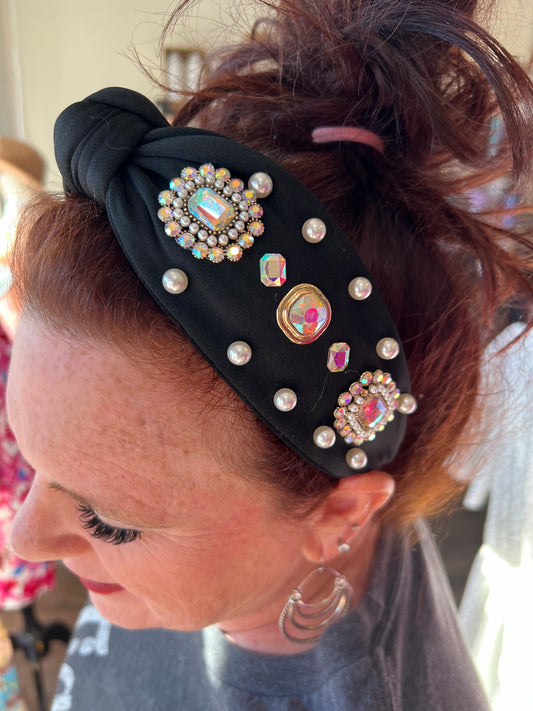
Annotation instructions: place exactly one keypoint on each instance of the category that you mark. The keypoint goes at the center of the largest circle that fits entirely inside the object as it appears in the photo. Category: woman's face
(117, 452)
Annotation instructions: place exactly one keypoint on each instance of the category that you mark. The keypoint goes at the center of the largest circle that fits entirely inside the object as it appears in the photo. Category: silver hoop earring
(304, 622)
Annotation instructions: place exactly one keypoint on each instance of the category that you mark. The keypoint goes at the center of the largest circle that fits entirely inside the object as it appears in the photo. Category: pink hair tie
(329, 134)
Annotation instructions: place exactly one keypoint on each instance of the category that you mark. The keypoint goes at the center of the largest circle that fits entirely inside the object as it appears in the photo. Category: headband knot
(95, 137)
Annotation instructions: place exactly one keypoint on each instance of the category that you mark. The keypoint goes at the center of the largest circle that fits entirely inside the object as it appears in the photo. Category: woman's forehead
(89, 420)
(83, 396)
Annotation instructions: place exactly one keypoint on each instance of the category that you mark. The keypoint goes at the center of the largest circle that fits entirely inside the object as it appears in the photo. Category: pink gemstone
(310, 315)
(273, 269)
(356, 388)
(345, 399)
(338, 357)
(372, 412)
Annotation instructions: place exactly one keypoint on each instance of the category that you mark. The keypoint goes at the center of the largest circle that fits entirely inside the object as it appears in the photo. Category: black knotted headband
(115, 147)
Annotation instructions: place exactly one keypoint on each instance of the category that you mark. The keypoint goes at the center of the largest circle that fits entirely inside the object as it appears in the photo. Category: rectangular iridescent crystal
(372, 412)
(338, 357)
(211, 209)
(273, 269)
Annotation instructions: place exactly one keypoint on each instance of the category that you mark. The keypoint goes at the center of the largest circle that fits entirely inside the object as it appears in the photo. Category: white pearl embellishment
(387, 348)
(360, 288)
(261, 184)
(324, 437)
(285, 399)
(175, 281)
(356, 458)
(407, 404)
(239, 353)
(313, 230)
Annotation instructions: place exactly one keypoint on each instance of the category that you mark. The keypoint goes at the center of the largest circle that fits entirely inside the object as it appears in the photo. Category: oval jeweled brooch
(211, 214)
(367, 407)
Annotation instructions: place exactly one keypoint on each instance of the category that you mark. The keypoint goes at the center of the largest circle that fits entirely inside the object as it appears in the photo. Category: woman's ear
(350, 506)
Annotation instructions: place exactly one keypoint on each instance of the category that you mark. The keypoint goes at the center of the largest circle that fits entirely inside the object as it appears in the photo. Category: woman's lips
(100, 588)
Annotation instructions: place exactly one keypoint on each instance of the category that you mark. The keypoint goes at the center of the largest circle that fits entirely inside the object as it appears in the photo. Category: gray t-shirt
(399, 650)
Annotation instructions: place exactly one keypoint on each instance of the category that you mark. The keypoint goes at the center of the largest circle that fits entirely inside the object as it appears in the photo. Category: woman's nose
(46, 528)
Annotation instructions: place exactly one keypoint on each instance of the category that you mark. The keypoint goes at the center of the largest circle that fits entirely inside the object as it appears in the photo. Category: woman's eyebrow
(110, 513)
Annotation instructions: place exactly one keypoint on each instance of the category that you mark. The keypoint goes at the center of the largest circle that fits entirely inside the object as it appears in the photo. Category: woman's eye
(97, 528)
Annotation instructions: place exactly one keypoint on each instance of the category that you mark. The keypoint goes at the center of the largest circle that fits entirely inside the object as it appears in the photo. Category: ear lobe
(352, 503)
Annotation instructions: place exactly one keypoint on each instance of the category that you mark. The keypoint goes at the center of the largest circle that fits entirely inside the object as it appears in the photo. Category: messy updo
(429, 81)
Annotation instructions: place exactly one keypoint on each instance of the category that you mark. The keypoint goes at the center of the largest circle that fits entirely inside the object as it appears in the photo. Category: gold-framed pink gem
(303, 314)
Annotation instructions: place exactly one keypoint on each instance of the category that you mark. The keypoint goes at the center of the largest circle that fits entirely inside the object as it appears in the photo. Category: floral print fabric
(20, 581)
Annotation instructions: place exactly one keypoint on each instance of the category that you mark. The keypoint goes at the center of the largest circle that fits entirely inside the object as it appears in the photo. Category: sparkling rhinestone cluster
(367, 407)
(214, 216)
(210, 213)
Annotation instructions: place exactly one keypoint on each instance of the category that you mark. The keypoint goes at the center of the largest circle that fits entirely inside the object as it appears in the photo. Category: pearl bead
(360, 288)
(407, 404)
(239, 353)
(387, 348)
(356, 458)
(313, 230)
(343, 547)
(175, 281)
(285, 399)
(261, 184)
(324, 437)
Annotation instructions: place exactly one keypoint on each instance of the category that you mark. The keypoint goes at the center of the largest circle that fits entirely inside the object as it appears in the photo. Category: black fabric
(116, 148)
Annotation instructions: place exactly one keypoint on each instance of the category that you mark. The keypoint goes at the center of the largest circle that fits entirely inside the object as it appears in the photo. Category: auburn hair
(429, 81)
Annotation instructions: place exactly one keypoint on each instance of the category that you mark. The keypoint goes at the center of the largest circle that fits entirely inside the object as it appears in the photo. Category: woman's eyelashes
(97, 528)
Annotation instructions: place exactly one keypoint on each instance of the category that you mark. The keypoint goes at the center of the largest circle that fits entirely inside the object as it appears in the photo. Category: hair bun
(94, 137)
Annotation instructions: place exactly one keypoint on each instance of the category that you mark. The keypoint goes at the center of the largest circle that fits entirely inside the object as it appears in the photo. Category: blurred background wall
(55, 52)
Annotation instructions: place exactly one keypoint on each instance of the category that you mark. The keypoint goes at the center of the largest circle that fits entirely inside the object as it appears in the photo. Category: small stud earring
(343, 547)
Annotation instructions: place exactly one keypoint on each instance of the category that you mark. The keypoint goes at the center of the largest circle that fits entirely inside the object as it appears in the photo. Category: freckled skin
(213, 546)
